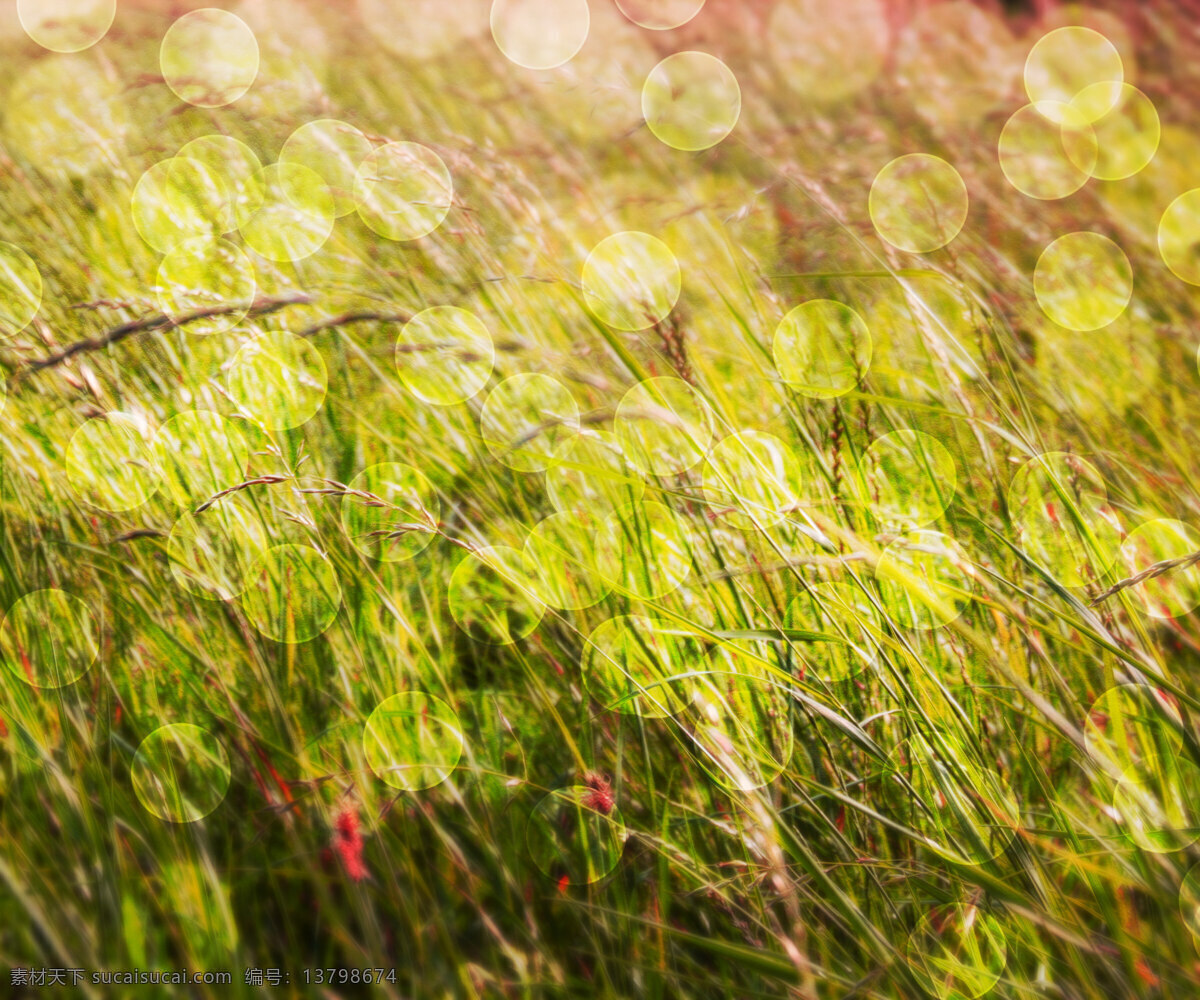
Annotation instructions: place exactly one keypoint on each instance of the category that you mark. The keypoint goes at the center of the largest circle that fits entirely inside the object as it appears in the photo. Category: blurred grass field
(641, 572)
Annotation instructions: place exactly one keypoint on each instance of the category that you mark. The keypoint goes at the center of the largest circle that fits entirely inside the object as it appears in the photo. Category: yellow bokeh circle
(918, 203)
(492, 596)
(111, 464)
(278, 380)
(212, 553)
(526, 418)
(292, 594)
(1059, 507)
(200, 454)
(752, 479)
(1176, 592)
(1179, 237)
(631, 280)
(822, 348)
(287, 214)
(334, 150)
(637, 665)
(205, 272)
(845, 611)
(1127, 135)
(180, 773)
(660, 15)
(66, 25)
(391, 512)
(1189, 902)
(909, 478)
(20, 290)
(49, 638)
(180, 199)
(560, 552)
(209, 57)
(403, 191)
(691, 101)
(444, 355)
(958, 953)
(234, 164)
(575, 835)
(540, 34)
(1047, 155)
(1156, 802)
(1066, 61)
(643, 550)
(1131, 723)
(663, 425)
(1083, 281)
(413, 741)
(922, 581)
(592, 473)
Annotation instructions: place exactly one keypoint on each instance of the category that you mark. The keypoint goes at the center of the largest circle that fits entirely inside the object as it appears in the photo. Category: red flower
(599, 797)
(348, 842)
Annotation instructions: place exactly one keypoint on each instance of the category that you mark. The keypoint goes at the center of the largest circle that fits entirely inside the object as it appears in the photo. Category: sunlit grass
(880, 760)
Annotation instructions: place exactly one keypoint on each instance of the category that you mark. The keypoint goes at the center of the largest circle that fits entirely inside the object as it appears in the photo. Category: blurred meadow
(601, 498)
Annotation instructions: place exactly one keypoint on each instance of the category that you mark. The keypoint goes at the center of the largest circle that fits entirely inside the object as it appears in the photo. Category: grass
(805, 712)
